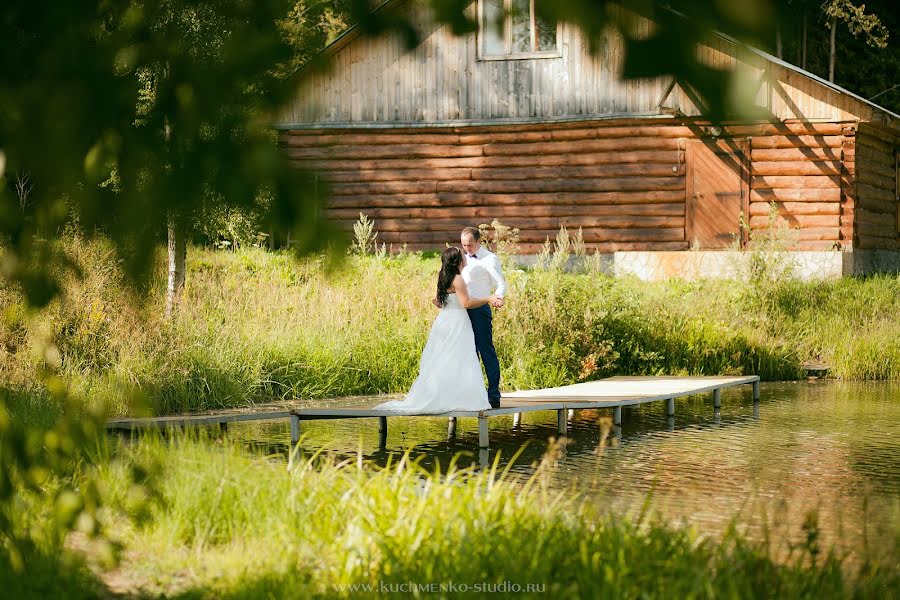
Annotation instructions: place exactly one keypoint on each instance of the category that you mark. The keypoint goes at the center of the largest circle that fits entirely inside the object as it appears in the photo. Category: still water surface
(832, 448)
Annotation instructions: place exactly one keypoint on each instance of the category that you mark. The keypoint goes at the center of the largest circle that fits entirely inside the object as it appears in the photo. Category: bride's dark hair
(451, 259)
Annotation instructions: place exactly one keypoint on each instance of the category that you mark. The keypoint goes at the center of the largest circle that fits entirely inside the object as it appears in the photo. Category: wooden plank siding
(379, 80)
(878, 210)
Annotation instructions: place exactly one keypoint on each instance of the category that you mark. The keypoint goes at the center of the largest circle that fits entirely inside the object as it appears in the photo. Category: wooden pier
(611, 393)
(182, 421)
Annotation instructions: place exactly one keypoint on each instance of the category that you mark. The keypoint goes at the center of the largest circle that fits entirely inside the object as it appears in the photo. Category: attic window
(524, 34)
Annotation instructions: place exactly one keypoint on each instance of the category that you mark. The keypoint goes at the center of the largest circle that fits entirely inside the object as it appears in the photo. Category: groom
(481, 282)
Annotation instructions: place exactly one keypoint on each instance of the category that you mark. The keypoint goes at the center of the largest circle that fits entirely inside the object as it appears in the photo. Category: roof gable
(377, 80)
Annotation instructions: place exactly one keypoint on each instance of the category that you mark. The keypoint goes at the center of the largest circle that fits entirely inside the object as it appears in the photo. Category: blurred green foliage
(125, 113)
(116, 116)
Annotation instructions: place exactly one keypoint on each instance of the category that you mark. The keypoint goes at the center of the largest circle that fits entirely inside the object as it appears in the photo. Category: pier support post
(617, 415)
(483, 441)
(483, 458)
(717, 398)
(295, 430)
(382, 432)
(517, 419)
(451, 427)
(561, 421)
(756, 391)
(670, 407)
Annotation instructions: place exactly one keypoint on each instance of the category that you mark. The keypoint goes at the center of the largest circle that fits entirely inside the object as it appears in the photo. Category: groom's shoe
(495, 402)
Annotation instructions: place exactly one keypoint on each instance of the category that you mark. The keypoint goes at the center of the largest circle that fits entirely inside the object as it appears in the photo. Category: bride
(449, 373)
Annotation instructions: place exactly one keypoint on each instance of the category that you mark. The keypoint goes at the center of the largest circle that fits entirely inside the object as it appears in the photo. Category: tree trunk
(831, 56)
(177, 260)
(803, 36)
(779, 50)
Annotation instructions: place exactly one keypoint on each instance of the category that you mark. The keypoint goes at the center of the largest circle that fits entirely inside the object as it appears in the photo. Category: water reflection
(832, 448)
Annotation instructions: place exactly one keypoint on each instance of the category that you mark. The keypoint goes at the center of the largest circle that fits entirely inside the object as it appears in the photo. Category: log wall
(807, 171)
(622, 182)
(878, 212)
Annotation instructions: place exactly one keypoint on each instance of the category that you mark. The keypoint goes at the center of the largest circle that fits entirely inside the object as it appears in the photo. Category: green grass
(226, 524)
(257, 326)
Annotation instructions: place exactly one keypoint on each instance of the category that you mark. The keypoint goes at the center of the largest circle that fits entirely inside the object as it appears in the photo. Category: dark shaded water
(831, 448)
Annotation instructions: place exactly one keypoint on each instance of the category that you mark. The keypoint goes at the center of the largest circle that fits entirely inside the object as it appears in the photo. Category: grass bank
(225, 524)
(257, 326)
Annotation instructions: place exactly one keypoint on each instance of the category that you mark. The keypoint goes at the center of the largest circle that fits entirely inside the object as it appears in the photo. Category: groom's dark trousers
(484, 343)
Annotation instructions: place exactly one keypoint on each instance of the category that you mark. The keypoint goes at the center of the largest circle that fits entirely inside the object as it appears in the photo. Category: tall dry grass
(257, 326)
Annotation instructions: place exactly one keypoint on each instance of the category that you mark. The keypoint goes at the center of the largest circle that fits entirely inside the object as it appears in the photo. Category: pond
(826, 448)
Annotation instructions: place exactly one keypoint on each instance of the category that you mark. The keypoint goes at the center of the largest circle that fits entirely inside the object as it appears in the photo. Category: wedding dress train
(449, 373)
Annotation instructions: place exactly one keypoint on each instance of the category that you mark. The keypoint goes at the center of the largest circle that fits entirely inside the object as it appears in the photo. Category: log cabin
(530, 127)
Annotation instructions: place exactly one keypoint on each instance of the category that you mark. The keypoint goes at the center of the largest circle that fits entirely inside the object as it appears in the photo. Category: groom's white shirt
(483, 274)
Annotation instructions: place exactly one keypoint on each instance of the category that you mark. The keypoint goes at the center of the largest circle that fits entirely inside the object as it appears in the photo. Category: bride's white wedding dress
(449, 372)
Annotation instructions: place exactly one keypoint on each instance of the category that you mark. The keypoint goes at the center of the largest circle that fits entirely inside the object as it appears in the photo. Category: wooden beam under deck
(180, 421)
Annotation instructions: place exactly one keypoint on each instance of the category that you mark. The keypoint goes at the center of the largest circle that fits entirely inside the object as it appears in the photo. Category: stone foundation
(692, 265)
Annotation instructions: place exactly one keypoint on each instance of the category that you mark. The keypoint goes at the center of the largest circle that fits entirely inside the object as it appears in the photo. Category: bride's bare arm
(462, 292)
